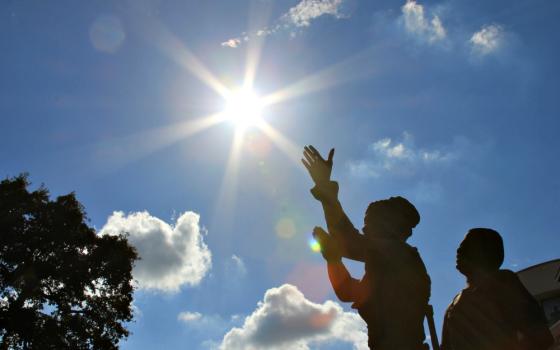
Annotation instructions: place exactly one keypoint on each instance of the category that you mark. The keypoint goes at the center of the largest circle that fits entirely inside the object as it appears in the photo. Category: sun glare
(244, 108)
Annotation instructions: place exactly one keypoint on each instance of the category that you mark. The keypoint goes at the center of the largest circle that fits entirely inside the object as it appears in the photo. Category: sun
(243, 108)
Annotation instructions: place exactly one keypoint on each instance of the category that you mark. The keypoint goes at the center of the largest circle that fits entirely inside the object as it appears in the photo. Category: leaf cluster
(62, 286)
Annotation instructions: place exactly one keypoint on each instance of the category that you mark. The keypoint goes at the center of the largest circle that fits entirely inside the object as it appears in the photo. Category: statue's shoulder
(507, 275)
(456, 299)
(393, 249)
(504, 281)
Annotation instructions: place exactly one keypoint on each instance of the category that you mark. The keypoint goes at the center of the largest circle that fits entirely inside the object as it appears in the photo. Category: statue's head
(482, 250)
(392, 218)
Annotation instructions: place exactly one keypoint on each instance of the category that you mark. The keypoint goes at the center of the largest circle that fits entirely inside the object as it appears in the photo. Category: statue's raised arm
(352, 244)
(393, 294)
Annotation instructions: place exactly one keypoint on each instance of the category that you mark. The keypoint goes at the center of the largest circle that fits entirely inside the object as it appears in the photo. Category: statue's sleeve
(445, 343)
(346, 288)
(446, 330)
(352, 244)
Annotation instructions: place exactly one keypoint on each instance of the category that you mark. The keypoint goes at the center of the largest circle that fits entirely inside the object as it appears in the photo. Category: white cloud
(233, 43)
(170, 255)
(285, 319)
(187, 316)
(236, 264)
(303, 13)
(210, 326)
(488, 39)
(399, 156)
(299, 16)
(416, 22)
(363, 168)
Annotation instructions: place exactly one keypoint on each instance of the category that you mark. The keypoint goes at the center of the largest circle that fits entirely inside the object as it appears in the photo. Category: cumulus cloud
(171, 255)
(400, 156)
(299, 16)
(285, 319)
(416, 23)
(487, 40)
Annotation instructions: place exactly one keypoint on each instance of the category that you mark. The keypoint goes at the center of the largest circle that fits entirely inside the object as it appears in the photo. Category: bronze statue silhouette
(495, 311)
(392, 297)
(555, 315)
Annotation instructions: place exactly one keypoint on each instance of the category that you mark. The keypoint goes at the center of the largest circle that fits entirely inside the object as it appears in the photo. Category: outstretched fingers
(315, 153)
(309, 158)
(306, 164)
(309, 153)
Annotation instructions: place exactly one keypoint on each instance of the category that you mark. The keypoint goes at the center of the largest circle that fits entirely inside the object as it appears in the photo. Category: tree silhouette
(61, 285)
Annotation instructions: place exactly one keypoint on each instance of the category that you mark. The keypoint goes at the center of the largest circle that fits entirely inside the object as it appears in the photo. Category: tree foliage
(61, 285)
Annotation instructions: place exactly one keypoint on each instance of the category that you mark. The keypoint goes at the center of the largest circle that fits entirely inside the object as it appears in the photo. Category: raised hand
(319, 168)
(329, 248)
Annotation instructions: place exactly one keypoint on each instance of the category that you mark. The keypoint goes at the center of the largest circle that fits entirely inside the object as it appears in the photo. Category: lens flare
(285, 228)
(314, 245)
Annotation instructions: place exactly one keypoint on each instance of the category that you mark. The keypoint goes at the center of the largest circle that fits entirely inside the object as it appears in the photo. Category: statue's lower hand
(329, 248)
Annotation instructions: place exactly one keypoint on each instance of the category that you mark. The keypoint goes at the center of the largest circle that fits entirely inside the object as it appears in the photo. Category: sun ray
(258, 19)
(228, 189)
(286, 145)
(181, 55)
(354, 68)
(170, 45)
(117, 152)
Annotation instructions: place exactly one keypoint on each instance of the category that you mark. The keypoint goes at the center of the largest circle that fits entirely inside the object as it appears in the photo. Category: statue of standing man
(392, 296)
(494, 311)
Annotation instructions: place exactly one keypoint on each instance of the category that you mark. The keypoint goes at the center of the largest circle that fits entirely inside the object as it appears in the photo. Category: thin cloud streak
(297, 17)
(187, 316)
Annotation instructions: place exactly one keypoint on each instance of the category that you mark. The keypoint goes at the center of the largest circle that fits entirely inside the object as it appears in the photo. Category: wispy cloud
(303, 13)
(210, 326)
(401, 156)
(233, 43)
(285, 319)
(297, 17)
(236, 266)
(187, 316)
(487, 40)
(171, 255)
(418, 24)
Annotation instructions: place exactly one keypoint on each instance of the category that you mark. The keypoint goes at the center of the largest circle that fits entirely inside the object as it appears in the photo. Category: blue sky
(451, 103)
